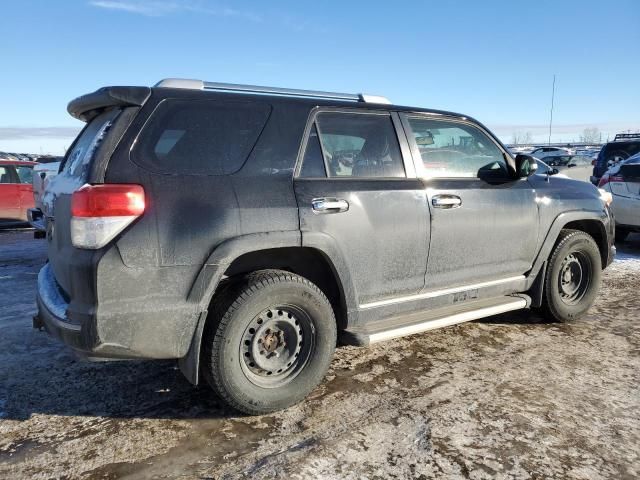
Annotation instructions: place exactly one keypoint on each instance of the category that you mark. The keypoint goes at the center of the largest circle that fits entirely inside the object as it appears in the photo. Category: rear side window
(361, 145)
(313, 162)
(189, 137)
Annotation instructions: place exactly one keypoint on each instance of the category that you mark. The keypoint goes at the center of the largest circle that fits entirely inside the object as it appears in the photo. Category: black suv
(624, 145)
(243, 229)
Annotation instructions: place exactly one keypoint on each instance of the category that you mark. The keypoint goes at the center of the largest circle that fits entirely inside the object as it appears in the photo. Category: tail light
(100, 212)
(610, 178)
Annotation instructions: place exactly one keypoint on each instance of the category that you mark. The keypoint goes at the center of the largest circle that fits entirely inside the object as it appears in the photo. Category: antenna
(553, 94)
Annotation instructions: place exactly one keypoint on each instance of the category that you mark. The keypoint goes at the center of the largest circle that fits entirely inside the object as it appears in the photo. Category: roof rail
(626, 136)
(288, 92)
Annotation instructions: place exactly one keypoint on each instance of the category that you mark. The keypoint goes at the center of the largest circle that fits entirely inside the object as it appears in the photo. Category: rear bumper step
(429, 320)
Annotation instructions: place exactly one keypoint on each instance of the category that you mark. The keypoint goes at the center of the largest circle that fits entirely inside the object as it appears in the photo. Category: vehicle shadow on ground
(126, 389)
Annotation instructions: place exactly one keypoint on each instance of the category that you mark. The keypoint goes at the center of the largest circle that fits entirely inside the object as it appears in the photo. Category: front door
(484, 222)
(9, 193)
(361, 203)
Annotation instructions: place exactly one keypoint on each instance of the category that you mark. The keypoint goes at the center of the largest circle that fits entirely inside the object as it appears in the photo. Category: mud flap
(190, 363)
(537, 289)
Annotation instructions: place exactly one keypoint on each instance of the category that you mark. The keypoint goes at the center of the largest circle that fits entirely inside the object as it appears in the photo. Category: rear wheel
(269, 342)
(573, 276)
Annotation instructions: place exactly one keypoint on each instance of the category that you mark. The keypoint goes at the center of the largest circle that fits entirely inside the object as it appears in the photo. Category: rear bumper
(52, 313)
(115, 329)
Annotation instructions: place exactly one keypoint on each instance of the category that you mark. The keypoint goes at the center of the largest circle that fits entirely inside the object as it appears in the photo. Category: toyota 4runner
(242, 230)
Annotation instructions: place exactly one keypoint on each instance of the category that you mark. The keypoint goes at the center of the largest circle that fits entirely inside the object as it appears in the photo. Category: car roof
(23, 163)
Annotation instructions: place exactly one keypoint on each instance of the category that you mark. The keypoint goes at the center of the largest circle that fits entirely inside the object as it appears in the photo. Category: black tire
(268, 342)
(573, 276)
(621, 234)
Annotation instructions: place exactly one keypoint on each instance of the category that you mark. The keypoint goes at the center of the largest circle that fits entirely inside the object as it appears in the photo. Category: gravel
(507, 397)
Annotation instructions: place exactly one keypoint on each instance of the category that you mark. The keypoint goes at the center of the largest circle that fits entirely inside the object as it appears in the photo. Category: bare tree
(520, 138)
(591, 135)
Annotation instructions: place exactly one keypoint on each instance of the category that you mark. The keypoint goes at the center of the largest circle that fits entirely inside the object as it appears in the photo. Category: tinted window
(359, 145)
(78, 160)
(5, 175)
(615, 152)
(25, 174)
(452, 149)
(200, 137)
(313, 163)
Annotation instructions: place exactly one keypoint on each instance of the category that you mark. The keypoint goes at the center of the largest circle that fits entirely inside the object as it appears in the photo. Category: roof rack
(288, 92)
(626, 136)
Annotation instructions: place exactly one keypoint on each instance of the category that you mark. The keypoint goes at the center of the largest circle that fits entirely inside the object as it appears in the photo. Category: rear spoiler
(89, 106)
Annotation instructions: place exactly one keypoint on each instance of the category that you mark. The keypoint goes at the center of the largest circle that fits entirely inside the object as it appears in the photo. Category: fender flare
(209, 277)
(554, 230)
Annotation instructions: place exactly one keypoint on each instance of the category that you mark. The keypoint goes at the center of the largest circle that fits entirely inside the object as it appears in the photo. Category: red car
(16, 191)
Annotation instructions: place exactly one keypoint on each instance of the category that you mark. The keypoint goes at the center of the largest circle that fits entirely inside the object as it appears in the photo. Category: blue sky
(493, 60)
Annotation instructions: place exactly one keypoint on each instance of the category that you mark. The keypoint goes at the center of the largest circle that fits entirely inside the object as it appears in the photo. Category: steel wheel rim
(574, 277)
(276, 345)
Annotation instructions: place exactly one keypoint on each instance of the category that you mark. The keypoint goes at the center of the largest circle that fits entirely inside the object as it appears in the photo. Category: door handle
(446, 201)
(329, 205)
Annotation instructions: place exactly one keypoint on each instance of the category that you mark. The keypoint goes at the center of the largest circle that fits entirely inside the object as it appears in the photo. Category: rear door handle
(446, 201)
(329, 205)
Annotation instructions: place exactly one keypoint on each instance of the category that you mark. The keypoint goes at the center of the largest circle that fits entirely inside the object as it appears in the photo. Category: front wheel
(269, 342)
(573, 276)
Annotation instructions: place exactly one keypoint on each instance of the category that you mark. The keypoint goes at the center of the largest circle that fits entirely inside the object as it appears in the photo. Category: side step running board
(423, 321)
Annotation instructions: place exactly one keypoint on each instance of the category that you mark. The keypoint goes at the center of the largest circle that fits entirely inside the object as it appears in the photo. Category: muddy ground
(506, 397)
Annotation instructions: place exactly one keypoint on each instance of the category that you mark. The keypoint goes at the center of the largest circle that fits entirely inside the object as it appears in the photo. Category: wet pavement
(506, 397)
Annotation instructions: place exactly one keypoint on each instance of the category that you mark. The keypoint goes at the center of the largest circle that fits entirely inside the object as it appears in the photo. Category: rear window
(195, 137)
(78, 160)
(615, 152)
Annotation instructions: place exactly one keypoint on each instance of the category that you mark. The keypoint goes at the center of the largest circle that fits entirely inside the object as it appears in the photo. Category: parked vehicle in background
(623, 181)
(5, 156)
(624, 145)
(241, 229)
(573, 166)
(43, 172)
(543, 152)
(16, 193)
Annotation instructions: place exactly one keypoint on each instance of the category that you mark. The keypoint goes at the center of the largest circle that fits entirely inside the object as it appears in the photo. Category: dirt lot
(509, 396)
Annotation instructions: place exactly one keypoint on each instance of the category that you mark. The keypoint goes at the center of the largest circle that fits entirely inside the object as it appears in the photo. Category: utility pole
(553, 94)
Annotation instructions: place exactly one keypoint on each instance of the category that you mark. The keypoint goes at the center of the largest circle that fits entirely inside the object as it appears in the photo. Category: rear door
(9, 193)
(484, 223)
(25, 177)
(360, 202)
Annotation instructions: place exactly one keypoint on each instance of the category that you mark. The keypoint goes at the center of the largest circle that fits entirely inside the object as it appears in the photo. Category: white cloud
(160, 8)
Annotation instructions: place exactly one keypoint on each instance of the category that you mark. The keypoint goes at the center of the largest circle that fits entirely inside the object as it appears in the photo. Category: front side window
(5, 175)
(359, 145)
(25, 174)
(454, 149)
(188, 137)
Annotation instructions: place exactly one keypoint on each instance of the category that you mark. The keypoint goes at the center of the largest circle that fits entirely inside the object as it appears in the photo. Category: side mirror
(555, 171)
(526, 165)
